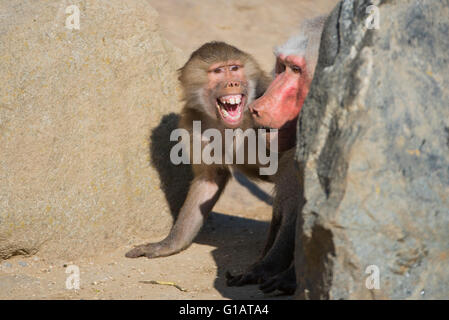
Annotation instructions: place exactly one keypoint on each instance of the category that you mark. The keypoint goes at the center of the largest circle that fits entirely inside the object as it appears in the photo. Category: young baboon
(219, 81)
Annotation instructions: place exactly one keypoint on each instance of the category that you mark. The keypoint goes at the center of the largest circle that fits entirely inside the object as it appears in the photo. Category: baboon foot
(259, 273)
(284, 282)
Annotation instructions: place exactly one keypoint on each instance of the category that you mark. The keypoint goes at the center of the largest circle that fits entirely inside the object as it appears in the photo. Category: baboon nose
(233, 84)
(254, 111)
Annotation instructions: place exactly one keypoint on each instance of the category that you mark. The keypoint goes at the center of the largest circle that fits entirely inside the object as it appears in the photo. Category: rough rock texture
(77, 109)
(374, 141)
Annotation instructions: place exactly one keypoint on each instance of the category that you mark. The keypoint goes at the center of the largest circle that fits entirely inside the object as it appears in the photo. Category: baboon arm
(204, 192)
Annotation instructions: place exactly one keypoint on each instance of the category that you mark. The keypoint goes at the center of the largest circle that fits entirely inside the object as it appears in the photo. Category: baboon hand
(150, 250)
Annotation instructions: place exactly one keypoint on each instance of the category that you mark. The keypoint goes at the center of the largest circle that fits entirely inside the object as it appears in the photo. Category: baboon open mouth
(231, 107)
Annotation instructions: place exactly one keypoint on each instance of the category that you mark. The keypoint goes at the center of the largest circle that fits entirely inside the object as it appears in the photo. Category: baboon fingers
(150, 250)
(135, 253)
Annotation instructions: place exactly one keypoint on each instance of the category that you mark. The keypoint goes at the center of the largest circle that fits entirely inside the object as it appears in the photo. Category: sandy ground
(235, 232)
(231, 239)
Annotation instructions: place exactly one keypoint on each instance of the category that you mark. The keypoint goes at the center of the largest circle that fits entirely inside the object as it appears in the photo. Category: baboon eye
(296, 69)
(218, 70)
(234, 68)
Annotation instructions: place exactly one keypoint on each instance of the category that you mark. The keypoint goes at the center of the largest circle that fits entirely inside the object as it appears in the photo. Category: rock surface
(374, 141)
(77, 109)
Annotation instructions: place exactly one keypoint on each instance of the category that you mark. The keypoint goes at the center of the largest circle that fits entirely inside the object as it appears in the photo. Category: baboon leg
(287, 203)
(272, 233)
(278, 257)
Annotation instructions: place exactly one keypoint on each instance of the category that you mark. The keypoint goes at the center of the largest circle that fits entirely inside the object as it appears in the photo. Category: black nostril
(233, 84)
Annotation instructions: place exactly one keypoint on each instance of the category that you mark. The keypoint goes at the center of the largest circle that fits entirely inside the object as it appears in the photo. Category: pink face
(280, 105)
(283, 100)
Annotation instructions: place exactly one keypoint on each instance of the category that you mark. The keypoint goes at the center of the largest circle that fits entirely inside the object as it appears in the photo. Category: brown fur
(275, 269)
(199, 96)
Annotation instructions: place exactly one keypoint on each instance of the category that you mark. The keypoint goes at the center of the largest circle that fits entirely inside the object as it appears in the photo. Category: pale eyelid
(292, 66)
(214, 70)
(228, 66)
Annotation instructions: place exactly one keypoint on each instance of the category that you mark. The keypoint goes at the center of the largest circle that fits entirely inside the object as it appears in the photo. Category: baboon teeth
(232, 99)
(231, 107)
